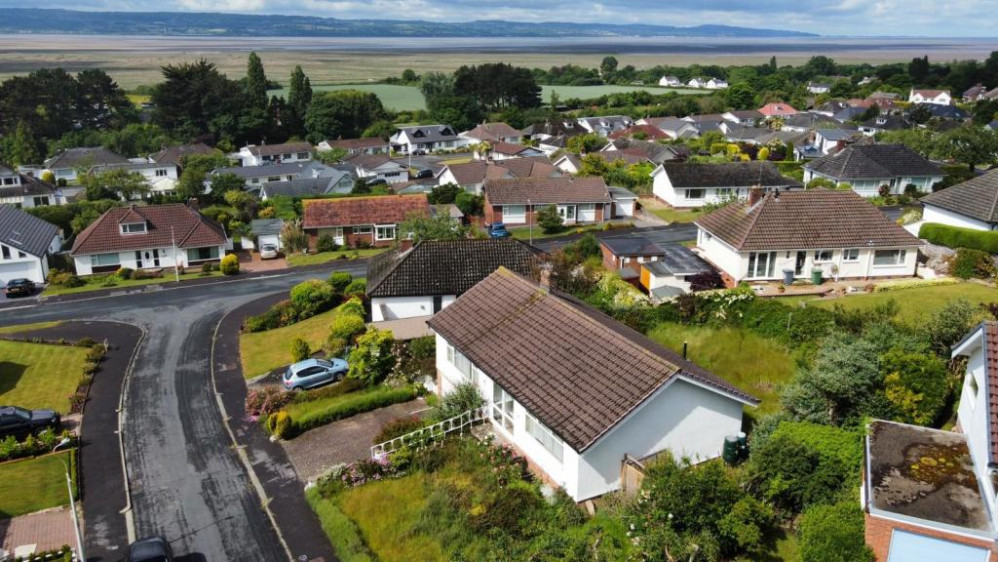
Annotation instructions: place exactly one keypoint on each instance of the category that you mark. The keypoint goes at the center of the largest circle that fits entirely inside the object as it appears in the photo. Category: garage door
(20, 270)
(912, 547)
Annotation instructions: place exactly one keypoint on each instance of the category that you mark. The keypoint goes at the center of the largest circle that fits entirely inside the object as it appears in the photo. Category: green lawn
(262, 352)
(97, 282)
(751, 362)
(523, 232)
(36, 375)
(915, 305)
(30, 485)
(298, 260)
(342, 532)
(671, 215)
(27, 327)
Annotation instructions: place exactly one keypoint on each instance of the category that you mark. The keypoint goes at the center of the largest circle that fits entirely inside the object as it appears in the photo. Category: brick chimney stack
(755, 195)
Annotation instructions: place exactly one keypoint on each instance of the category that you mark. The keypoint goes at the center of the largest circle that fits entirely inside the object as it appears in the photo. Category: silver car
(268, 252)
(311, 373)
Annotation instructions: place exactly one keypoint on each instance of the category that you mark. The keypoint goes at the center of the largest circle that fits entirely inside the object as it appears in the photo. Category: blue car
(498, 230)
(312, 373)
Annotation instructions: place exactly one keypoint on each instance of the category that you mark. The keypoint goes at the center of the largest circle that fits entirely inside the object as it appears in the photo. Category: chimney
(405, 244)
(193, 204)
(755, 195)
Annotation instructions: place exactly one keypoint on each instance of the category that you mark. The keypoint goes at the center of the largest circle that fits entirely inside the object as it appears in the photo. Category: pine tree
(256, 82)
(299, 98)
(772, 62)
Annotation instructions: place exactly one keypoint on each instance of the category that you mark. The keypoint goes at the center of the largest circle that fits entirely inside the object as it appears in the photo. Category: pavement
(345, 441)
(188, 481)
(50, 529)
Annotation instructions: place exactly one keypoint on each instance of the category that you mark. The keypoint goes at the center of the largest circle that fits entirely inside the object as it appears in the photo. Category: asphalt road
(187, 481)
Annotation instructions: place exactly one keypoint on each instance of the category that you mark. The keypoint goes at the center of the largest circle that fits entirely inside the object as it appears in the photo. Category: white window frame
(95, 259)
(161, 173)
(384, 227)
(567, 212)
(754, 265)
(688, 193)
(502, 406)
(545, 437)
(898, 259)
(854, 252)
(363, 230)
(126, 228)
(819, 256)
(507, 214)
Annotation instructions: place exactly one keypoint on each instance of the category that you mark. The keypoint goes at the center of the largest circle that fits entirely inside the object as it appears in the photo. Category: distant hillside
(26, 20)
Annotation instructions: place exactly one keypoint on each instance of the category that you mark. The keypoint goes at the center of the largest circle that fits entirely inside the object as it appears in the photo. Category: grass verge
(298, 260)
(37, 375)
(262, 352)
(671, 215)
(98, 282)
(342, 532)
(31, 485)
(523, 232)
(757, 365)
(314, 413)
(28, 327)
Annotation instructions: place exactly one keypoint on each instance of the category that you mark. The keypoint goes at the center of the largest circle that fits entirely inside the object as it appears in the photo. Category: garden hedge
(957, 237)
(362, 402)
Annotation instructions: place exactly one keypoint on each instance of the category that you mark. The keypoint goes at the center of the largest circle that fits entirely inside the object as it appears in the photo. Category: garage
(913, 547)
(30, 269)
(266, 231)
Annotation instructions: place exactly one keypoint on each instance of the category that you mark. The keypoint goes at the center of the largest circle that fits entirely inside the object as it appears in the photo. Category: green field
(37, 376)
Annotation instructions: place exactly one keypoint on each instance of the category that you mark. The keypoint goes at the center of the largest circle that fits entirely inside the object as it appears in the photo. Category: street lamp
(72, 502)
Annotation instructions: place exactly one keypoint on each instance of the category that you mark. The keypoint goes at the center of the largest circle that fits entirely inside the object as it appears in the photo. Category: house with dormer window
(148, 237)
(26, 242)
(426, 138)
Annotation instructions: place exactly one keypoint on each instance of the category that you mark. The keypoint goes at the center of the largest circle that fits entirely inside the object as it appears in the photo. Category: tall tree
(608, 65)
(256, 82)
(101, 103)
(970, 145)
(496, 86)
(918, 69)
(342, 114)
(299, 98)
(21, 147)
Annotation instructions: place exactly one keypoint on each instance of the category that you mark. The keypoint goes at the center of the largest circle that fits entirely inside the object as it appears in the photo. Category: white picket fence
(431, 433)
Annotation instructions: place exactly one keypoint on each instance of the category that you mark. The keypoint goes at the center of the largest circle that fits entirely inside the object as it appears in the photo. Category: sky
(954, 18)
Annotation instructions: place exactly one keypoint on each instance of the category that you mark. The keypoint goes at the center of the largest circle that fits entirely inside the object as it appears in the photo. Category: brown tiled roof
(492, 132)
(991, 368)
(579, 371)
(650, 131)
(477, 171)
(277, 149)
(546, 190)
(508, 148)
(375, 209)
(806, 219)
(929, 93)
(358, 144)
(164, 225)
(976, 198)
(533, 166)
(173, 154)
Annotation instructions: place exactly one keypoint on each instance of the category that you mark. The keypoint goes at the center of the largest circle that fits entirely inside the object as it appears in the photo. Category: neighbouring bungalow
(971, 204)
(174, 155)
(377, 167)
(360, 221)
(604, 125)
(640, 132)
(471, 176)
(493, 133)
(160, 178)
(372, 145)
(426, 138)
(747, 117)
(675, 127)
(868, 167)
(685, 185)
(574, 391)
(516, 201)
(774, 235)
(148, 237)
(645, 151)
(952, 516)
(64, 165)
(423, 279)
(506, 151)
(939, 97)
(23, 191)
(26, 243)
(265, 154)
(777, 109)
(335, 182)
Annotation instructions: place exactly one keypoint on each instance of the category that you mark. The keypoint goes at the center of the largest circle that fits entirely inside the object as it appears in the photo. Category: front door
(799, 265)
(567, 213)
(438, 302)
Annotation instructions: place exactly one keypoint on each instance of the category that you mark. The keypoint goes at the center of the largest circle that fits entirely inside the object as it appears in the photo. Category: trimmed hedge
(956, 237)
(353, 405)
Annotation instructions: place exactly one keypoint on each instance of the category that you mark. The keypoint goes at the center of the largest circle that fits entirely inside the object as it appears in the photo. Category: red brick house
(360, 221)
(515, 201)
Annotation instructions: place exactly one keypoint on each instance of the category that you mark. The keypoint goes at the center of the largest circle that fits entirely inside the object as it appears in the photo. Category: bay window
(888, 257)
(104, 260)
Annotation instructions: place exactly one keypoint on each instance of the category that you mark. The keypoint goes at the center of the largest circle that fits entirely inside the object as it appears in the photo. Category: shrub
(549, 220)
(969, 263)
(345, 386)
(353, 405)
(95, 354)
(956, 237)
(398, 428)
(311, 297)
(346, 326)
(281, 314)
(300, 350)
(356, 288)
(336, 347)
(266, 401)
(124, 272)
(230, 265)
(834, 533)
(462, 398)
(339, 281)
(279, 424)
(326, 244)
(65, 279)
(916, 384)
(913, 284)
(372, 360)
(706, 281)
(352, 306)
(206, 268)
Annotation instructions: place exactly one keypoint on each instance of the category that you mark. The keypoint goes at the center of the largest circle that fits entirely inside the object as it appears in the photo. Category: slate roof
(579, 371)
(873, 161)
(370, 161)
(976, 198)
(728, 174)
(303, 187)
(260, 227)
(746, 114)
(30, 186)
(282, 169)
(429, 133)
(848, 113)
(358, 144)
(93, 156)
(374, 209)
(446, 267)
(667, 123)
(541, 191)
(803, 220)
(278, 149)
(174, 154)
(491, 132)
(25, 232)
(164, 225)
(887, 123)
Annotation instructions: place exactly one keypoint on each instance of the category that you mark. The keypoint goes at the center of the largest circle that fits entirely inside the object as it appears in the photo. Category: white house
(256, 176)
(834, 231)
(685, 185)
(420, 280)
(265, 154)
(747, 117)
(64, 165)
(831, 140)
(371, 145)
(939, 97)
(492, 133)
(818, 87)
(670, 82)
(377, 167)
(575, 391)
(24, 192)
(867, 167)
(26, 242)
(426, 138)
(716, 84)
(161, 178)
(971, 204)
(605, 124)
(148, 237)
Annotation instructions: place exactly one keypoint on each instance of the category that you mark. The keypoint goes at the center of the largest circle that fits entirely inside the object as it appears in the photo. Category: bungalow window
(724, 192)
(761, 264)
(41, 201)
(502, 408)
(6, 252)
(696, 193)
(888, 257)
(514, 213)
(363, 229)
(462, 363)
(545, 437)
(133, 228)
(850, 254)
(274, 178)
(822, 255)
(302, 155)
(104, 260)
(160, 173)
(384, 232)
(202, 254)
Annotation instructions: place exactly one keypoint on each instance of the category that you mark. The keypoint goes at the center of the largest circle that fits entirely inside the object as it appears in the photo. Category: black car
(20, 288)
(150, 549)
(21, 422)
